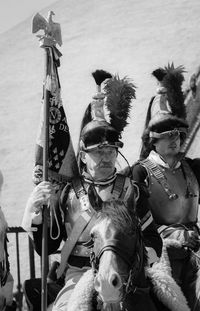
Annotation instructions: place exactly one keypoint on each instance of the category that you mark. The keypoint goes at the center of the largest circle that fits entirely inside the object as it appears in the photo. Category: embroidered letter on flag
(62, 165)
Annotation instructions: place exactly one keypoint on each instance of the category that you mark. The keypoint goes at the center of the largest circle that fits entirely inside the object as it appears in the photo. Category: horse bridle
(135, 265)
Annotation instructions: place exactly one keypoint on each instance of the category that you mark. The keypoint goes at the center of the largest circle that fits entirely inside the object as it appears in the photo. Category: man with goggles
(173, 181)
(99, 181)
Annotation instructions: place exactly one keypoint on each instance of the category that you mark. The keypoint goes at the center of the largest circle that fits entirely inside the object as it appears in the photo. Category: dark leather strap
(158, 174)
(81, 223)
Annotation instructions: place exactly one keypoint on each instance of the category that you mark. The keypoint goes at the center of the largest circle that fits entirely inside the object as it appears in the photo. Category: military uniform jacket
(71, 206)
(173, 193)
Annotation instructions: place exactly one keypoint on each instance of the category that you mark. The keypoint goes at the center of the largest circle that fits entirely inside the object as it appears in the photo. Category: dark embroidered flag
(62, 165)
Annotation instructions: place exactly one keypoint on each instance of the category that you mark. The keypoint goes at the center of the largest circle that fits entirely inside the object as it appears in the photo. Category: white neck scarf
(155, 157)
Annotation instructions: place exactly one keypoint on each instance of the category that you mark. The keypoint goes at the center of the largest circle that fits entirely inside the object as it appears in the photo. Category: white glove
(40, 196)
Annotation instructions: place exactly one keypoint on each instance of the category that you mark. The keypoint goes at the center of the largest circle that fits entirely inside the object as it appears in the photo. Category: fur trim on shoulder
(164, 286)
(81, 297)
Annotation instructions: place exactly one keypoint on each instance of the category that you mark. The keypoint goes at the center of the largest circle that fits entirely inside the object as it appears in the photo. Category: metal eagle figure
(51, 29)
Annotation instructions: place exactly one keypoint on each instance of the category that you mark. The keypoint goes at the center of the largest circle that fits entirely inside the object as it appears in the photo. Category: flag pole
(52, 35)
(44, 262)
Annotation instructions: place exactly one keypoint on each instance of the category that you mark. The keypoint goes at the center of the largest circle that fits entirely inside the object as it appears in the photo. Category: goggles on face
(175, 133)
(101, 152)
(101, 145)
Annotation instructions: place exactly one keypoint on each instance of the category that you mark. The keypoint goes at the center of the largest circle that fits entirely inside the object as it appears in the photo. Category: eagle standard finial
(52, 31)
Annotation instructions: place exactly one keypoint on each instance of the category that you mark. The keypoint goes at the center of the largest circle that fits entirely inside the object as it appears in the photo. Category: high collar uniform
(184, 208)
(70, 208)
(174, 197)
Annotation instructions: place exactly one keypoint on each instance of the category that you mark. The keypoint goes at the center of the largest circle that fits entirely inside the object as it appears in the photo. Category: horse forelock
(120, 216)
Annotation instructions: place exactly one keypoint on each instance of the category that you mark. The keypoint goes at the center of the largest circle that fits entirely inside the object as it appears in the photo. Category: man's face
(100, 162)
(168, 146)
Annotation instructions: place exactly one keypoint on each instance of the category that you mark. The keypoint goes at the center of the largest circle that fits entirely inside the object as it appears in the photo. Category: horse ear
(131, 197)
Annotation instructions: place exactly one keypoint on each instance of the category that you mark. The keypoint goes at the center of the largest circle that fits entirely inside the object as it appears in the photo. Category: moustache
(105, 164)
(173, 145)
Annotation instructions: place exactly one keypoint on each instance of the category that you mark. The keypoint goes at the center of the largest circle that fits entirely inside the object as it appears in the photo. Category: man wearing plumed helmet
(100, 140)
(173, 180)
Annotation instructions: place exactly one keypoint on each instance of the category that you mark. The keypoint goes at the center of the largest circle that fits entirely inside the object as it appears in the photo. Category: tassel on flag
(62, 165)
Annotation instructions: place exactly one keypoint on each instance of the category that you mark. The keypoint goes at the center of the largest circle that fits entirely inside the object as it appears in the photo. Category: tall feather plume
(172, 78)
(100, 75)
(120, 93)
(173, 81)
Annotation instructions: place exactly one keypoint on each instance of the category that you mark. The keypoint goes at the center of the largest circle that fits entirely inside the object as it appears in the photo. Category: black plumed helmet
(106, 116)
(167, 109)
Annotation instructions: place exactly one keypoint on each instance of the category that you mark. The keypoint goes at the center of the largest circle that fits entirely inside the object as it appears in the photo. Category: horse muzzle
(109, 288)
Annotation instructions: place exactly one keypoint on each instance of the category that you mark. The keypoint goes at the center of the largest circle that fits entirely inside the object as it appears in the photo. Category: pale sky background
(13, 12)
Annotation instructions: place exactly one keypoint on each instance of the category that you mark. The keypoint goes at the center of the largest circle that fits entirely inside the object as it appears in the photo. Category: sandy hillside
(129, 37)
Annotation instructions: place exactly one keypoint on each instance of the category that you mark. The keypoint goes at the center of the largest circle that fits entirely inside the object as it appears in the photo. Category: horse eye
(89, 243)
(92, 236)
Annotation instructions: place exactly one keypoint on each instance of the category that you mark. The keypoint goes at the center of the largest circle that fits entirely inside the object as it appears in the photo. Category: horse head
(118, 254)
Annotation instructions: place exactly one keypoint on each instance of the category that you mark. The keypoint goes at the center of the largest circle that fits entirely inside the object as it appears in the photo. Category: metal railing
(19, 293)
